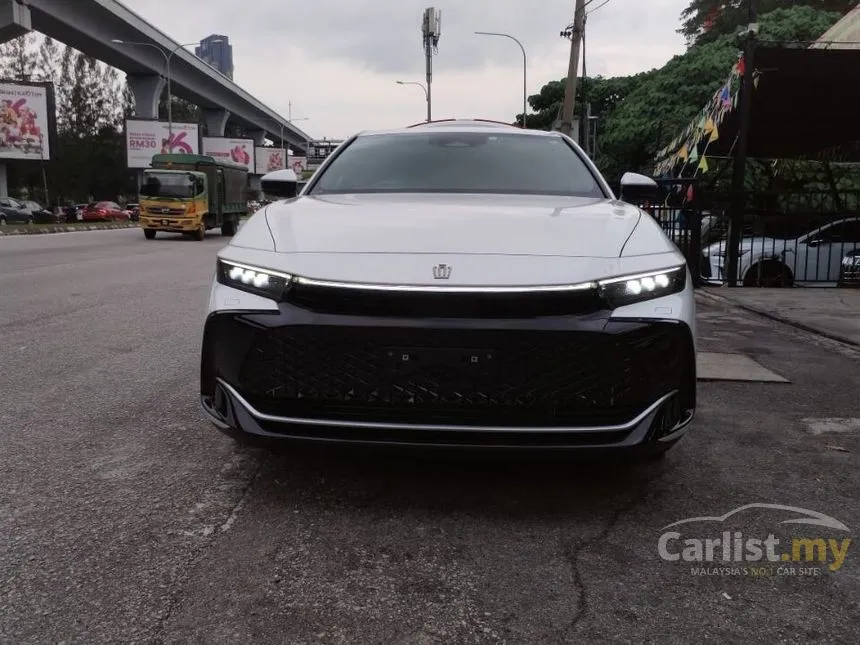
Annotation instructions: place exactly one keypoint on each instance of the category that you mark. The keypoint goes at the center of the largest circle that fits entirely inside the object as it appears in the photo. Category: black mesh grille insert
(464, 377)
(358, 302)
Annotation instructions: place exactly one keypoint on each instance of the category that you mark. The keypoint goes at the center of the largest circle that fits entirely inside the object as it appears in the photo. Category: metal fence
(802, 238)
(678, 209)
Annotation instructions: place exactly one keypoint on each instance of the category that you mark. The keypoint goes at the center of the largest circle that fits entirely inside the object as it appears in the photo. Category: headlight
(627, 290)
(263, 282)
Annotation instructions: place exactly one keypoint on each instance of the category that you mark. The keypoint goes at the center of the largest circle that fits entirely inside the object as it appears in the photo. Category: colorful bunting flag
(715, 135)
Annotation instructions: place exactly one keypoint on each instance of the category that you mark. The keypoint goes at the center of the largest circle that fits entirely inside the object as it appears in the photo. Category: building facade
(319, 149)
(218, 52)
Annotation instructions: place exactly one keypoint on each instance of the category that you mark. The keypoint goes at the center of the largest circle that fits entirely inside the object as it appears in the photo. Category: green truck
(191, 194)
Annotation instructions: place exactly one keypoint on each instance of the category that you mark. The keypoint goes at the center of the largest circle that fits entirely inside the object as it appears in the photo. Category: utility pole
(573, 68)
(431, 31)
(739, 197)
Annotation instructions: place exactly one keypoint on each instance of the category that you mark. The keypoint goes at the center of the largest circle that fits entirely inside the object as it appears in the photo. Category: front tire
(149, 233)
(200, 233)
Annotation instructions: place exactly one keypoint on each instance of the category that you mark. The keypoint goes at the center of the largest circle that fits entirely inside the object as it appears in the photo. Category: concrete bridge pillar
(215, 120)
(259, 136)
(146, 90)
(15, 19)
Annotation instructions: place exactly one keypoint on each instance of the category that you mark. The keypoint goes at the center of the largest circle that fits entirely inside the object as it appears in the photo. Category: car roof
(462, 125)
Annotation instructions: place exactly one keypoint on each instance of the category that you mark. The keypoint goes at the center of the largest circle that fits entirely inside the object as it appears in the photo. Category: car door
(826, 247)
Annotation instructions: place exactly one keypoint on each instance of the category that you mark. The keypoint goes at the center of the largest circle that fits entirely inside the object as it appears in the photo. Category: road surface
(126, 517)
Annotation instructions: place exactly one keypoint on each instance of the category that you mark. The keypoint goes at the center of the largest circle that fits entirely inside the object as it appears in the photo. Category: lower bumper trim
(231, 413)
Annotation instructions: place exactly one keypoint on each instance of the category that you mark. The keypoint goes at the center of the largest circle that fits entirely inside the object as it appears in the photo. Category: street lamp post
(167, 57)
(525, 67)
(307, 141)
(426, 94)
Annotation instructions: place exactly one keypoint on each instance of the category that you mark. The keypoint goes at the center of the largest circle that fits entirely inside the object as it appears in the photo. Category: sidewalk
(830, 312)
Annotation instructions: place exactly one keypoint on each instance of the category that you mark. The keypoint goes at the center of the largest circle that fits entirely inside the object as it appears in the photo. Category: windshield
(458, 162)
(166, 184)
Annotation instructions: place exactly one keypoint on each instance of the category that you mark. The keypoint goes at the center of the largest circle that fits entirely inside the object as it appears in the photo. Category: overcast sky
(337, 61)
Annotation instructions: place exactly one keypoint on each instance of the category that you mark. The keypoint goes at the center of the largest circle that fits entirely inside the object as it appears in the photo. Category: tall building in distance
(218, 52)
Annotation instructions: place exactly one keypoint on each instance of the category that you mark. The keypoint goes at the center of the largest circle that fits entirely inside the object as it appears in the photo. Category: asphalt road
(126, 518)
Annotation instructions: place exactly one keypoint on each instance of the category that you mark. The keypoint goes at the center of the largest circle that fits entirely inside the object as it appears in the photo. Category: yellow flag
(710, 126)
(683, 154)
(703, 165)
(715, 134)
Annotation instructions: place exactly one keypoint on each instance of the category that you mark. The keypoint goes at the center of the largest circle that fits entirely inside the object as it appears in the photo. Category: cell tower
(431, 31)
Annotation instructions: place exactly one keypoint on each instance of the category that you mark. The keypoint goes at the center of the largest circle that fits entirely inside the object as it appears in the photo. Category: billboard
(240, 151)
(298, 164)
(28, 120)
(269, 159)
(146, 138)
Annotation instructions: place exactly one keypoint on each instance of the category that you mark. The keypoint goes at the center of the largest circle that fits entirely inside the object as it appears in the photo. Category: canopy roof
(804, 105)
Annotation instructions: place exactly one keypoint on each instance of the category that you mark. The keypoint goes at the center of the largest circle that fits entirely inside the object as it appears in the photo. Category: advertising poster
(25, 121)
(299, 164)
(270, 159)
(240, 151)
(143, 139)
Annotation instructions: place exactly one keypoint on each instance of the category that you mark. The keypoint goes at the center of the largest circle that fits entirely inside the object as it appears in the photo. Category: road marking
(832, 425)
(733, 367)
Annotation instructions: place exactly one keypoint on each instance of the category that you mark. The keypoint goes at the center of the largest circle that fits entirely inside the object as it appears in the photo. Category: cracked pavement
(125, 517)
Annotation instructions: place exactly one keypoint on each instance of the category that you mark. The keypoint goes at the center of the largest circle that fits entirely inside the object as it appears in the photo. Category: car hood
(452, 225)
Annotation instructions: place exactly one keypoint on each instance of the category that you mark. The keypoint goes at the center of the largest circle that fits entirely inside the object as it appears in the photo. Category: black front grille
(464, 377)
(417, 304)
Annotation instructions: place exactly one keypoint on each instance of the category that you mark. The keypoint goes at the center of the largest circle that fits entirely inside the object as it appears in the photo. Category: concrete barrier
(42, 229)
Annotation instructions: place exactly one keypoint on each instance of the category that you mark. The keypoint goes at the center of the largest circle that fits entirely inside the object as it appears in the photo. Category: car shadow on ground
(495, 484)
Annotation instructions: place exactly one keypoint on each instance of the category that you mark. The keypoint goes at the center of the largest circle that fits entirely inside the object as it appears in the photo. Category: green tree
(668, 99)
(604, 94)
(18, 60)
(48, 60)
(706, 20)
(127, 100)
(183, 111)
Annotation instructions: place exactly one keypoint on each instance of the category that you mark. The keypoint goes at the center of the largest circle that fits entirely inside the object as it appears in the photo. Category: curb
(780, 319)
(12, 229)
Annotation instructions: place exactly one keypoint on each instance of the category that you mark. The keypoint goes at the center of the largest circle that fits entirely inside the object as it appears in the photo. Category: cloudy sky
(336, 61)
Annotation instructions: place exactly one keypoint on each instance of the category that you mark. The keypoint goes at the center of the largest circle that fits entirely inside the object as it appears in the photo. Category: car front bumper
(557, 382)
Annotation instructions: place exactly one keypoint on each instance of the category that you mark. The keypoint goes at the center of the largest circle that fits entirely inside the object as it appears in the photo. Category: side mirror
(280, 183)
(638, 188)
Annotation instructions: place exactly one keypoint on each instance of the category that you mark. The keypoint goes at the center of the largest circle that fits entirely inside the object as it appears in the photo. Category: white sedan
(453, 284)
(815, 257)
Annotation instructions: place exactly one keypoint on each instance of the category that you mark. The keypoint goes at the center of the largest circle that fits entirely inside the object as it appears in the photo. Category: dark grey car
(14, 212)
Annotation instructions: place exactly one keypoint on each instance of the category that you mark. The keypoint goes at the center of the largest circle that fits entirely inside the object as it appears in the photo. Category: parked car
(457, 286)
(41, 215)
(13, 211)
(849, 276)
(816, 256)
(105, 212)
